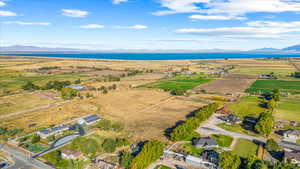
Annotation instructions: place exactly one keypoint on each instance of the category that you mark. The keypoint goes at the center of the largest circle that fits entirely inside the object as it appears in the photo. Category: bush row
(184, 130)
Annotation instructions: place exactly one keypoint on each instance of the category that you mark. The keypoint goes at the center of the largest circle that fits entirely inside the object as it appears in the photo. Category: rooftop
(91, 118)
(69, 152)
(292, 155)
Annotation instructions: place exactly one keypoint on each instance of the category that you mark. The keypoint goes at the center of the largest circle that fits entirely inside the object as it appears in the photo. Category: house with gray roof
(52, 131)
(291, 135)
(205, 142)
(293, 156)
(88, 120)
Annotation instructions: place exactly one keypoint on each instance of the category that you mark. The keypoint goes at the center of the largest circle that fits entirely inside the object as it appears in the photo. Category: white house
(71, 154)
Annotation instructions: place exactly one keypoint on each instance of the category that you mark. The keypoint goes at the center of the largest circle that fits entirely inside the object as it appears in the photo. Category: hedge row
(151, 152)
(184, 130)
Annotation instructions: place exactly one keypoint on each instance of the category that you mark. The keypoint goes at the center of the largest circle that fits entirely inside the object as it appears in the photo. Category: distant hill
(295, 48)
(266, 50)
(35, 49)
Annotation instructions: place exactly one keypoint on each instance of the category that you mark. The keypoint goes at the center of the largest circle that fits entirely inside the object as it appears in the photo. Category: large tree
(229, 160)
(265, 124)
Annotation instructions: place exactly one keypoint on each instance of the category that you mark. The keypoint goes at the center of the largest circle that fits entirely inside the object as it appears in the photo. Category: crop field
(170, 85)
(262, 86)
(281, 71)
(235, 83)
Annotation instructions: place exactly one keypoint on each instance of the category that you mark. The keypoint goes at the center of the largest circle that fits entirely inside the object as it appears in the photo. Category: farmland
(262, 86)
(170, 85)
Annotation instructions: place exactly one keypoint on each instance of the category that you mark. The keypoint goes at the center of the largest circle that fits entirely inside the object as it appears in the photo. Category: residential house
(71, 154)
(291, 135)
(53, 131)
(231, 118)
(76, 87)
(250, 120)
(205, 142)
(88, 120)
(265, 76)
(293, 156)
(210, 156)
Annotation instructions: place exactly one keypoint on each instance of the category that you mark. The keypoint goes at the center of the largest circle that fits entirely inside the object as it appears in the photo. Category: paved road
(210, 127)
(58, 144)
(22, 161)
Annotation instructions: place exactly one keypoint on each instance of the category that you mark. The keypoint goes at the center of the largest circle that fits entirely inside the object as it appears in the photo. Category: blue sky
(150, 24)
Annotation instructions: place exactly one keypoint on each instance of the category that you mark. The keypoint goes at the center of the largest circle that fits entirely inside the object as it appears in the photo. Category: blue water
(160, 56)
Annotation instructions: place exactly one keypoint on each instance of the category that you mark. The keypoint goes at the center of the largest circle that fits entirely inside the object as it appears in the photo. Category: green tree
(265, 124)
(35, 139)
(276, 95)
(126, 159)
(229, 160)
(285, 165)
(178, 91)
(30, 86)
(68, 93)
(78, 81)
(271, 104)
(150, 152)
(109, 145)
(272, 145)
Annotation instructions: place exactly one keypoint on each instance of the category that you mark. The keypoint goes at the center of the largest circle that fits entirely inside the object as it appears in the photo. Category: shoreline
(180, 56)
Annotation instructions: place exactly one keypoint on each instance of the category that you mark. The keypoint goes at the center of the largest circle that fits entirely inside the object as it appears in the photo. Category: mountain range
(18, 49)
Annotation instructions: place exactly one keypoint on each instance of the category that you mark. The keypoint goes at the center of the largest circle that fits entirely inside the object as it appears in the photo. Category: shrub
(35, 139)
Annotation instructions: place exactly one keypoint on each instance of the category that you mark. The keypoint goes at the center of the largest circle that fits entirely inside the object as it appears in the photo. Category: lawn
(223, 140)
(262, 86)
(162, 167)
(190, 149)
(245, 148)
(246, 106)
(237, 129)
(288, 109)
(35, 148)
(170, 85)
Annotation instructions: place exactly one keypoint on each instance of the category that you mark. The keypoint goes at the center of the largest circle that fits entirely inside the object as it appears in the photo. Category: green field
(189, 148)
(35, 148)
(245, 148)
(222, 140)
(237, 128)
(162, 167)
(288, 109)
(14, 80)
(170, 85)
(257, 70)
(262, 86)
(246, 106)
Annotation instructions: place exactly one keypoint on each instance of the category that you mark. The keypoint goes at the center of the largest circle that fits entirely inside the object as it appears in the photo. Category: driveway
(210, 127)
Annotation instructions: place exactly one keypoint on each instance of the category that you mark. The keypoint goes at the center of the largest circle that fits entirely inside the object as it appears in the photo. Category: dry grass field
(144, 112)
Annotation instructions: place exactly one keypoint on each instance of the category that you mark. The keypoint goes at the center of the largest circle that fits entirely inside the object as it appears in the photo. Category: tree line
(185, 129)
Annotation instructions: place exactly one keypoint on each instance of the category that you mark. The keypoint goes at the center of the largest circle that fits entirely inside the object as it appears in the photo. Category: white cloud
(273, 24)
(132, 27)
(74, 13)
(242, 32)
(118, 1)
(215, 17)
(7, 13)
(92, 26)
(27, 23)
(2, 3)
(228, 7)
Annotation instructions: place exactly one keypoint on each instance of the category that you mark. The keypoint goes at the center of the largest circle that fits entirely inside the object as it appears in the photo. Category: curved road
(210, 127)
